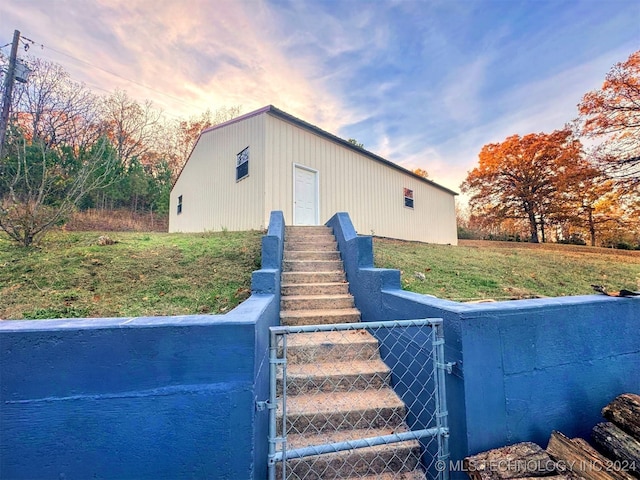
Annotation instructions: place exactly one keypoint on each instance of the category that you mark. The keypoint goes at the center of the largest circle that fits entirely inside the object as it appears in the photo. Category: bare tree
(132, 127)
(41, 187)
(182, 135)
(55, 110)
(56, 153)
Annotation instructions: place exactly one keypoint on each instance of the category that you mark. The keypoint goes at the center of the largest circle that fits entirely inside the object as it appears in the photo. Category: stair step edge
(320, 312)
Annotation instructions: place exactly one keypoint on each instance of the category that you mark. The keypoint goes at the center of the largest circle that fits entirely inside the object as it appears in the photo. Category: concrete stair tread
(303, 260)
(309, 234)
(317, 297)
(305, 278)
(393, 461)
(309, 244)
(336, 288)
(312, 266)
(327, 369)
(332, 402)
(310, 273)
(413, 475)
(311, 255)
(338, 301)
(319, 284)
(320, 317)
(302, 252)
(349, 337)
(326, 347)
(319, 313)
(296, 440)
(293, 228)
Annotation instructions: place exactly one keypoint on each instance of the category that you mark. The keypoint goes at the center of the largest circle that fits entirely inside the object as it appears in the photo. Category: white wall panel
(370, 191)
(212, 199)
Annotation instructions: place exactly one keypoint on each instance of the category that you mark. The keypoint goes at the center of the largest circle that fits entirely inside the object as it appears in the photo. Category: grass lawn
(69, 275)
(477, 270)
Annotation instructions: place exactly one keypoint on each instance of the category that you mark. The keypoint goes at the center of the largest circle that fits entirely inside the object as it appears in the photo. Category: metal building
(241, 170)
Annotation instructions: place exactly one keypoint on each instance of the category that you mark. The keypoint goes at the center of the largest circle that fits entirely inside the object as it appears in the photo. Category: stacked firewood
(616, 455)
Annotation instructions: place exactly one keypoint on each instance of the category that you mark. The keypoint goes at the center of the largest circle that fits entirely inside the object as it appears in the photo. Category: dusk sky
(422, 83)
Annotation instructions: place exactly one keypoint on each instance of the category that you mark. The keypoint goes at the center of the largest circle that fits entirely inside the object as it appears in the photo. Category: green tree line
(67, 148)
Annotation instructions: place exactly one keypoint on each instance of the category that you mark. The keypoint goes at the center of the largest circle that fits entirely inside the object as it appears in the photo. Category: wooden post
(8, 90)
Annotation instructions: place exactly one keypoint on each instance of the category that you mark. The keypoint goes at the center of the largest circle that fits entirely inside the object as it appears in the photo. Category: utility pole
(8, 90)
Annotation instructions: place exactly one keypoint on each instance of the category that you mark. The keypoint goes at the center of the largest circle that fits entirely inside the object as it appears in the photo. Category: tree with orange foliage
(593, 204)
(185, 133)
(523, 177)
(612, 114)
(420, 172)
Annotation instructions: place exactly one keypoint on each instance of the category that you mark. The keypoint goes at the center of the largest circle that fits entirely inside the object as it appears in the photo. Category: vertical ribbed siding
(212, 199)
(370, 191)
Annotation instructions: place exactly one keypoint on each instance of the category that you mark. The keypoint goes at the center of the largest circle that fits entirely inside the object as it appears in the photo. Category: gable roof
(276, 112)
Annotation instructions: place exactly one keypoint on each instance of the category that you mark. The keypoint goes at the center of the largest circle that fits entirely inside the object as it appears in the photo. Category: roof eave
(301, 123)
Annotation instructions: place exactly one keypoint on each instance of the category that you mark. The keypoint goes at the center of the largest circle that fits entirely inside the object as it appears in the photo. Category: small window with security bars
(242, 164)
(408, 198)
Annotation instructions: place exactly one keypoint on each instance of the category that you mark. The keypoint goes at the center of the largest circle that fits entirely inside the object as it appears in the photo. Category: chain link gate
(358, 400)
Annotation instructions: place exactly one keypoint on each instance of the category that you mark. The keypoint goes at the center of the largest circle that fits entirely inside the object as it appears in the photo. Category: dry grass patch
(71, 275)
(477, 270)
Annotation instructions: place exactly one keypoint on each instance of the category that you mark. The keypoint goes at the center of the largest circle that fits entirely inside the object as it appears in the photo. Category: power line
(179, 100)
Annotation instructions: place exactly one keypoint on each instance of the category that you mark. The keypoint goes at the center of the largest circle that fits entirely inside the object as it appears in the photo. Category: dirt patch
(558, 247)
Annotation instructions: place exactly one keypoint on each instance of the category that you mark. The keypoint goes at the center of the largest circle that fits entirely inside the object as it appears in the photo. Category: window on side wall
(179, 204)
(408, 198)
(242, 164)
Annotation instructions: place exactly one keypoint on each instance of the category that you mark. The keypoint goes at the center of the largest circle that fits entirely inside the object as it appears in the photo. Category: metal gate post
(283, 436)
(272, 404)
(441, 414)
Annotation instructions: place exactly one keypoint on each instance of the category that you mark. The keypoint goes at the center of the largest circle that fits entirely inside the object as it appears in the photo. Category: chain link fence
(358, 400)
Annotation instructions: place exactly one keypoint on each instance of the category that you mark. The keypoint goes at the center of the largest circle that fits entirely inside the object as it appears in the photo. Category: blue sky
(423, 83)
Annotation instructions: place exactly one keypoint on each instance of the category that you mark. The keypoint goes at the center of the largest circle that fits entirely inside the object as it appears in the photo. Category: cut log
(624, 411)
(583, 461)
(522, 460)
(618, 445)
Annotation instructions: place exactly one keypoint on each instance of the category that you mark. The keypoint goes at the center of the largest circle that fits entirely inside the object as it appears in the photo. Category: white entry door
(305, 196)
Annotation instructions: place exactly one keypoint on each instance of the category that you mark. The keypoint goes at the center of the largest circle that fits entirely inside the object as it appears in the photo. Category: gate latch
(447, 367)
(264, 404)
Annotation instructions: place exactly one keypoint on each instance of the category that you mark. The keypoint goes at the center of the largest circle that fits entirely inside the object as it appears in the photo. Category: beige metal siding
(212, 199)
(371, 192)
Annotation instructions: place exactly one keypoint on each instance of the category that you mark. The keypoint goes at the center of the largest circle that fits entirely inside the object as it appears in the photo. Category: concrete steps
(314, 302)
(363, 409)
(396, 461)
(319, 317)
(338, 388)
(325, 347)
(337, 377)
(335, 288)
(312, 265)
(310, 246)
(311, 255)
(296, 278)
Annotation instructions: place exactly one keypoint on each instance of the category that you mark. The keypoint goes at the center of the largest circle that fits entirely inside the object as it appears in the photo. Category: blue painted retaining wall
(144, 398)
(174, 397)
(523, 368)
